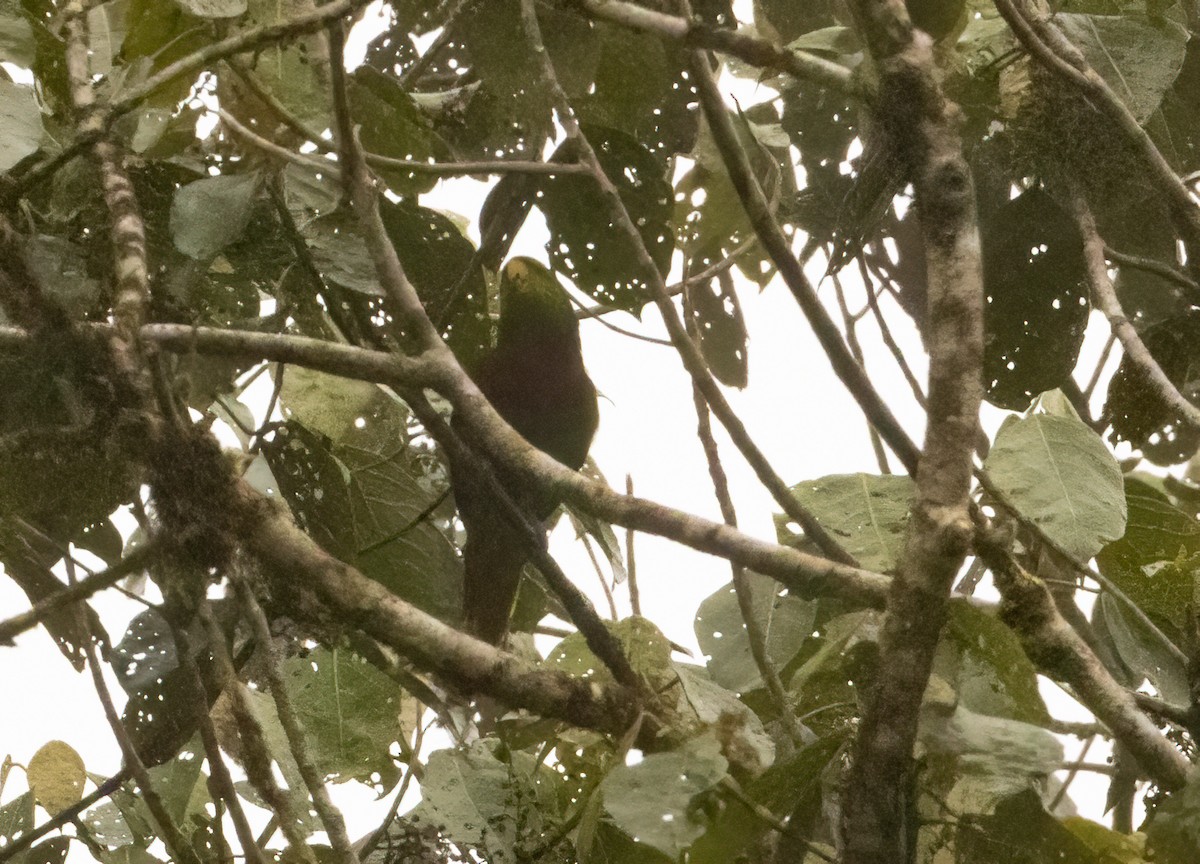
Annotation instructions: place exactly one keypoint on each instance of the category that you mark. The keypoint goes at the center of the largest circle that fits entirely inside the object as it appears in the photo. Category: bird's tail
(493, 562)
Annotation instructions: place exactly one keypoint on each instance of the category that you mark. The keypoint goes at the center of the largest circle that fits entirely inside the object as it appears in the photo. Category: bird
(535, 378)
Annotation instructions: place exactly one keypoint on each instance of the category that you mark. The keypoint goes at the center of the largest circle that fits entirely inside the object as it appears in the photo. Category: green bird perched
(535, 379)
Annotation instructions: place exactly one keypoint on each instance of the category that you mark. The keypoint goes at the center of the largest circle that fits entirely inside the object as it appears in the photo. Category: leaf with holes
(587, 245)
(720, 629)
(1037, 309)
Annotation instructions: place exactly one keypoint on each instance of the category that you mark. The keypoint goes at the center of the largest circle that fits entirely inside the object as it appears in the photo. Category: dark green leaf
(1135, 408)
(1138, 57)
(587, 246)
(1037, 307)
(209, 214)
(20, 123)
(721, 631)
(989, 670)
(1173, 829)
(867, 513)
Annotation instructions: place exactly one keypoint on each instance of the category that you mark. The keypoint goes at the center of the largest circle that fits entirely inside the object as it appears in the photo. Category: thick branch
(313, 586)
(1062, 653)
(923, 126)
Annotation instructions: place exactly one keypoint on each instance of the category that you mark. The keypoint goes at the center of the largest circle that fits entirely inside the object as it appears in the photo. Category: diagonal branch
(689, 352)
(1046, 43)
(1063, 654)
(1104, 296)
(777, 246)
(753, 50)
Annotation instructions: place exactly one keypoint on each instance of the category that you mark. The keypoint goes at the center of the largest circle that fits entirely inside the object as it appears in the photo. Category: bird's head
(533, 303)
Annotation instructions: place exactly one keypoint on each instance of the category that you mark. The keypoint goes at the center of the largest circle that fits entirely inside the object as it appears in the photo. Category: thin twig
(885, 333)
(1072, 772)
(753, 50)
(1100, 364)
(1158, 268)
(293, 726)
(635, 599)
(856, 351)
(10, 628)
(600, 577)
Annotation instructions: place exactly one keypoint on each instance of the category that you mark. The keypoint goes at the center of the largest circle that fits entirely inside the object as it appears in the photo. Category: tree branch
(918, 120)
(689, 353)
(1047, 44)
(1104, 296)
(1051, 642)
(753, 50)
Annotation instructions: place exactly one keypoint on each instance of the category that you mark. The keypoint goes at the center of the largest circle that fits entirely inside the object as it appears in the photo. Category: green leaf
(214, 8)
(1138, 56)
(1173, 829)
(1135, 407)
(17, 44)
(1111, 847)
(295, 71)
(867, 513)
(790, 789)
(1059, 474)
(209, 214)
(723, 337)
(1140, 650)
(648, 650)
(990, 671)
(1152, 562)
(62, 269)
(351, 715)
(20, 123)
(714, 227)
(392, 125)
(655, 801)
(1037, 307)
(992, 757)
(587, 246)
(744, 739)
(358, 486)
(16, 816)
(482, 802)
(1020, 831)
(721, 631)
